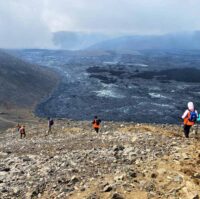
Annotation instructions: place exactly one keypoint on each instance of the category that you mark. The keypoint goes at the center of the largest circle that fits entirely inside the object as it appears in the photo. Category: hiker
(22, 131)
(50, 124)
(96, 124)
(190, 117)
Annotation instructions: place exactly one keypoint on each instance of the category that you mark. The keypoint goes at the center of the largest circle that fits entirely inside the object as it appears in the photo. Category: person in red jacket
(22, 132)
(96, 124)
(189, 118)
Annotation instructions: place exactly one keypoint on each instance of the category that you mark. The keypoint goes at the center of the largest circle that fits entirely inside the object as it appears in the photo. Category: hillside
(124, 43)
(125, 161)
(186, 41)
(22, 86)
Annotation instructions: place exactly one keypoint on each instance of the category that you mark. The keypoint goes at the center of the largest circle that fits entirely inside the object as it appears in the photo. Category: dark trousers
(97, 130)
(49, 130)
(22, 134)
(186, 130)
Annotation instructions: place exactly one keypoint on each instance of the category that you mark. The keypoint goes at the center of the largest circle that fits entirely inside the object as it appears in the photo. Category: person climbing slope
(50, 124)
(22, 132)
(189, 118)
(96, 124)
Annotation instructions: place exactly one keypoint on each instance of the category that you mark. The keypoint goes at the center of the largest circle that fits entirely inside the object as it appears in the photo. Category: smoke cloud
(29, 24)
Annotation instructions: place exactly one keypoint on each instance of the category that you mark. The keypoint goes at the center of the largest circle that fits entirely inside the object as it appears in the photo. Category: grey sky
(29, 23)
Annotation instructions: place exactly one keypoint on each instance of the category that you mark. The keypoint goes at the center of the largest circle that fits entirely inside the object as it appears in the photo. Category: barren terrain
(125, 160)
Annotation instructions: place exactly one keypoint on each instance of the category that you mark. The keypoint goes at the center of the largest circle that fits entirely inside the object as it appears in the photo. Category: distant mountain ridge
(77, 40)
(183, 41)
(23, 84)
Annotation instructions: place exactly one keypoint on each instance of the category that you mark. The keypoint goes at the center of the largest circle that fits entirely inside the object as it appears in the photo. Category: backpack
(193, 116)
(98, 122)
(51, 122)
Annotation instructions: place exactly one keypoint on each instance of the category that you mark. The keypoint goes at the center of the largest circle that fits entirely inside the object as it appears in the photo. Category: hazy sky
(29, 23)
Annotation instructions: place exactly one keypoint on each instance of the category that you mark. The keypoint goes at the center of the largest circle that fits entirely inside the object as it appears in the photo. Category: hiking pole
(196, 132)
(180, 128)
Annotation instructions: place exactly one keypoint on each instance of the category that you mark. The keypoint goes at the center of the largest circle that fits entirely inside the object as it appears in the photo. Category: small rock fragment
(117, 196)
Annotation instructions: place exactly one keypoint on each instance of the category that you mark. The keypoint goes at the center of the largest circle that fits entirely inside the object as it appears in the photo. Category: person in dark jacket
(50, 124)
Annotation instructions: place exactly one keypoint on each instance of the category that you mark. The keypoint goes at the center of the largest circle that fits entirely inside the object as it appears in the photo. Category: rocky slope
(22, 86)
(125, 160)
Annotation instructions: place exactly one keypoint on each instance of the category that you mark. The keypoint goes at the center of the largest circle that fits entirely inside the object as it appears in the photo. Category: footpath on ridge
(123, 161)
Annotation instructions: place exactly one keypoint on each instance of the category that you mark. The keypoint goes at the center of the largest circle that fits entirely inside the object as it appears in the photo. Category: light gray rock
(74, 180)
(118, 148)
(3, 155)
(196, 196)
(178, 178)
(107, 188)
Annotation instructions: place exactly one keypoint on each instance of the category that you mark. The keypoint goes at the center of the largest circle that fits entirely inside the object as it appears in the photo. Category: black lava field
(140, 86)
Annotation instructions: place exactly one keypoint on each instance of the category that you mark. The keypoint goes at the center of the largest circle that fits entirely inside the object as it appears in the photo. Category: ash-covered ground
(141, 86)
(123, 161)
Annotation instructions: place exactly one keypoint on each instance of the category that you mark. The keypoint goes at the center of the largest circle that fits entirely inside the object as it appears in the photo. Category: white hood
(191, 106)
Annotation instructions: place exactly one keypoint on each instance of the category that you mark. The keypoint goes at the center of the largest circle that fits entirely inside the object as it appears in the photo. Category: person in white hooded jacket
(189, 116)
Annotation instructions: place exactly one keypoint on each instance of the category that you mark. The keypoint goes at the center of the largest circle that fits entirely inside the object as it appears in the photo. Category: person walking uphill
(189, 118)
(22, 132)
(50, 124)
(96, 124)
